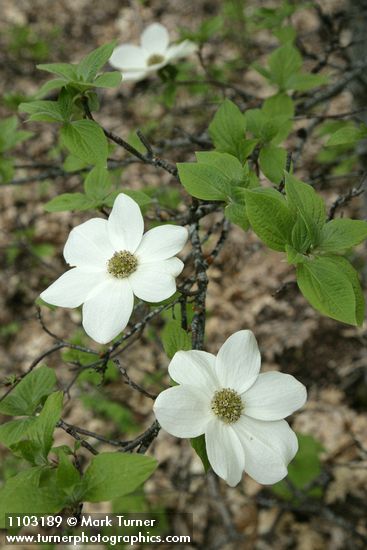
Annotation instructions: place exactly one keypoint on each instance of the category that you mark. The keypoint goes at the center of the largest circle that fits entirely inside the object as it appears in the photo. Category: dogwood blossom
(240, 411)
(137, 62)
(113, 261)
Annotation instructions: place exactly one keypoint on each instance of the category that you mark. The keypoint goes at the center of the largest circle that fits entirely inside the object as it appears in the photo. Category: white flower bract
(240, 411)
(113, 261)
(137, 62)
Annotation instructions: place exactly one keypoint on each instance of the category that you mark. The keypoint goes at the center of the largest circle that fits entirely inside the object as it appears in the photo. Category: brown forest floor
(328, 357)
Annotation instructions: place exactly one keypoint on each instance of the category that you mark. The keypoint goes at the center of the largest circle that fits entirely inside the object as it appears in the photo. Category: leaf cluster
(84, 75)
(296, 224)
(52, 481)
(284, 70)
(98, 192)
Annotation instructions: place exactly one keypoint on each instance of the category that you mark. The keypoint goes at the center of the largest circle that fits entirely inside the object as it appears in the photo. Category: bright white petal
(162, 242)
(152, 284)
(268, 447)
(195, 368)
(183, 49)
(155, 39)
(125, 224)
(107, 311)
(134, 76)
(238, 361)
(225, 452)
(88, 245)
(183, 411)
(72, 288)
(127, 57)
(274, 396)
(140, 75)
(171, 266)
(156, 66)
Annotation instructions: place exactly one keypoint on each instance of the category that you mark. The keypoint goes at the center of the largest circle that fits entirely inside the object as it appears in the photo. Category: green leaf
(66, 475)
(269, 217)
(10, 136)
(280, 106)
(262, 70)
(41, 110)
(284, 69)
(217, 176)
(329, 290)
(198, 444)
(272, 162)
(283, 63)
(41, 303)
(248, 147)
(138, 196)
(266, 126)
(70, 202)
(260, 125)
(175, 338)
(14, 431)
(341, 234)
(50, 85)
(94, 105)
(348, 135)
(301, 239)
(169, 91)
(65, 70)
(227, 130)
(97, 184)
(206, 29)
(108, 80)
(73, 164)
(294, 257)
(27, 395)
(6, 170)
(41, 431)
(304, 468)
(229, 166)
(255, 120)
(236, 213)
(22, 494)
(66, 103)
(36, 441)
(204, 181)
(30, 451)
(8, 126)
(86, 140)
(112, 475)
(90, 65)
(286, 34)
(304, 199)
(343, 265)
(305, 81)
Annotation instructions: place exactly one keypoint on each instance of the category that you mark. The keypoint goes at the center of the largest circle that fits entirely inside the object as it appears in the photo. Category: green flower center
(154, 59)
(122, 264)
(227, 405)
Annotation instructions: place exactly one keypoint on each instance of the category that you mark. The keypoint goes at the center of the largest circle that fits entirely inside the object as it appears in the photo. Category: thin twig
(347, 197)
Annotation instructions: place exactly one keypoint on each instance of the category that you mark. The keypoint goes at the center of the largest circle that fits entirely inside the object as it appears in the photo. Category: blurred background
(322, 503)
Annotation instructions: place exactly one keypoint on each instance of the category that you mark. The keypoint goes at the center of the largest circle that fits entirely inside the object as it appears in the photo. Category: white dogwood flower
(137, 62)
(240, 411)
(113, 261)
